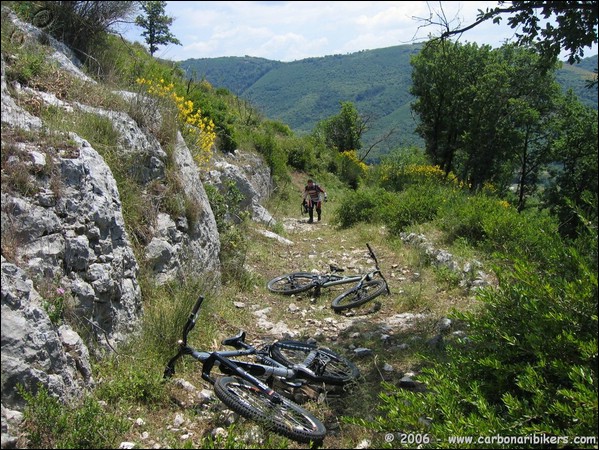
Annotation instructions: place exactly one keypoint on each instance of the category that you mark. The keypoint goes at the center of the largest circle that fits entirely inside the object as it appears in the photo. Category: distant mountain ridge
(303, 92)
(232, 72)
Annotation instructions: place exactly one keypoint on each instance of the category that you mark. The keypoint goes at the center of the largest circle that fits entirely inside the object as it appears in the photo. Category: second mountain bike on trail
(367, 285)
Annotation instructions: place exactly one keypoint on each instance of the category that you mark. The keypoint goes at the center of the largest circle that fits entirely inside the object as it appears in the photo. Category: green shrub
(268, 146)
(494, 226)
(226, 205)
(369, 205)
(300, 154)
(418, 203)
(52, 424)
(465, 217)
(528, 365)
(405, 166)
(230, 219)
(350, 169)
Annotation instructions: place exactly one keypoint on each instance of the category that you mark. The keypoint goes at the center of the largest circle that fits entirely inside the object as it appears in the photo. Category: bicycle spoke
(270, 408)
(326, 365)
(275, 412)
(359, 295)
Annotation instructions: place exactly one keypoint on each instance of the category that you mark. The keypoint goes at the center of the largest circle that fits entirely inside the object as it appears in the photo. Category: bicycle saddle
(235, 341)
(336, 269)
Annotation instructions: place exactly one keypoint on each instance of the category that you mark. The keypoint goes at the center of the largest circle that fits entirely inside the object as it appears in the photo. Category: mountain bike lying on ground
(244, 391)
(368, 285)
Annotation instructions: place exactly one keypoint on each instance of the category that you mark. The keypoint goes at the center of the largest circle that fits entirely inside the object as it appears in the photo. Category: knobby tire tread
(357, 297)
(281, 418)
(292, 283)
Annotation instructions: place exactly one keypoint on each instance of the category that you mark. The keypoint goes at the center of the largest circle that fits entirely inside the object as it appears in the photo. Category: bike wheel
(328, 366)
(358, 296)
(292, 283)
(280, 415)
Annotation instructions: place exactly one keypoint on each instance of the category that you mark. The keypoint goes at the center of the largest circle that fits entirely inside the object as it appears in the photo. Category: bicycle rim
(328, 366)
(292, 283)
(282, 417)
(358, 296)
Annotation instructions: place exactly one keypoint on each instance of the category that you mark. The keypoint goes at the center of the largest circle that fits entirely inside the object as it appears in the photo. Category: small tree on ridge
(156, 25)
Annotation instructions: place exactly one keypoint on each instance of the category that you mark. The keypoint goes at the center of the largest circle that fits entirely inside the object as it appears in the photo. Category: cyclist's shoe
(310, 221)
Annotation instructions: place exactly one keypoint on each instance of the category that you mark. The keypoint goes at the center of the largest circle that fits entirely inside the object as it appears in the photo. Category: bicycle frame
(246, 386)
(267, 367)
(332, 279)
(328, 280)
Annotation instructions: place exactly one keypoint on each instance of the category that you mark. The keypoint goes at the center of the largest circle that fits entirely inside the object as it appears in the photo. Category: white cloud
(291, 30)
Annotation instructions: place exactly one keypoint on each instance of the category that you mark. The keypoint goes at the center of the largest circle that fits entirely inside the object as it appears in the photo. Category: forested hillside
(234, 73)
(301, 93)
(575, 77)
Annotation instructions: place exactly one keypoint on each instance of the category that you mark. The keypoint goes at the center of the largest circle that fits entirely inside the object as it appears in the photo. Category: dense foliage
(527, 366)
(526, 363)
(497, 117)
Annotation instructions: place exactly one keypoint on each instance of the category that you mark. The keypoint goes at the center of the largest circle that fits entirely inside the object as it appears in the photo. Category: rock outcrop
(66, 246)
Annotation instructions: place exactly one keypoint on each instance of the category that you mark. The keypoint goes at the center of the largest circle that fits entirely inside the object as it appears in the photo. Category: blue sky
(288, 31)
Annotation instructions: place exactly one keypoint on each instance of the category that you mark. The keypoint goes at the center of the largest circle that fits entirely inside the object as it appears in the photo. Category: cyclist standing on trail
(312, 199)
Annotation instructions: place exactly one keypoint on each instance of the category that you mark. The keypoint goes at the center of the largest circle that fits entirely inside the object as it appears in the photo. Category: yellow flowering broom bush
(197, 129)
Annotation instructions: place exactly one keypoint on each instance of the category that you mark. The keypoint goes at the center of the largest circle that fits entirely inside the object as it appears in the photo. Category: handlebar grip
(191, 320)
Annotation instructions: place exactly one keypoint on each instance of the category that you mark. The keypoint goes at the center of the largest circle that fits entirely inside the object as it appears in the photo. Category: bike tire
(358, 296)
(283, 416)
(329, 367)
(292, 283)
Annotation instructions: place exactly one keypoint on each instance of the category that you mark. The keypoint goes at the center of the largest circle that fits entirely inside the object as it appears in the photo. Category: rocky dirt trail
(383, 337)
(373, 335)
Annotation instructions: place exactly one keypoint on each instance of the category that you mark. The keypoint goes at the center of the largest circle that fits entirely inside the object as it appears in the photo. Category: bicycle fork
(371, 276)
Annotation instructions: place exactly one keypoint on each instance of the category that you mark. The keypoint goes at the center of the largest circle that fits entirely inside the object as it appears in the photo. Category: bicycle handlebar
(191, 320)
(196, 307)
